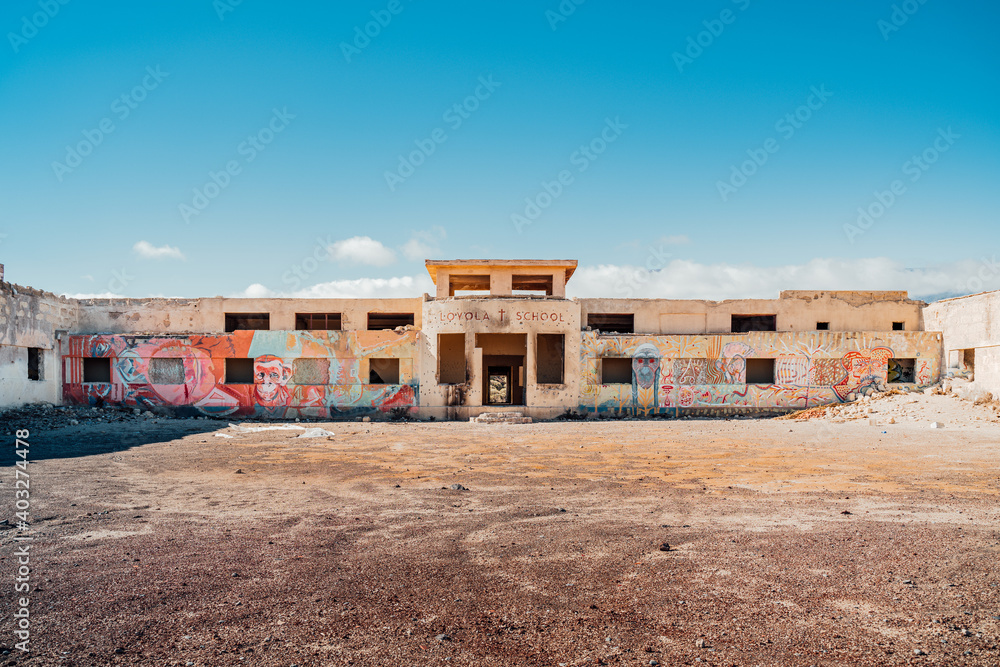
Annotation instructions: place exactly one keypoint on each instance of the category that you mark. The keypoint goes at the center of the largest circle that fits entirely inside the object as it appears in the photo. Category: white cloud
(425, 244)
(150, 251)
(362, 250)
(386, 288)
(683, 279)
(102, 295)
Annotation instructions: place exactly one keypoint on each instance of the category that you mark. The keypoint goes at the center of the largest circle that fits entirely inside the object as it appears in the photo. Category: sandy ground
(826, 541)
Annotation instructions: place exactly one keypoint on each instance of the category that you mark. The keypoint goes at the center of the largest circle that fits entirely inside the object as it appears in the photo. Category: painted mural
(317, 374)
(671, 374)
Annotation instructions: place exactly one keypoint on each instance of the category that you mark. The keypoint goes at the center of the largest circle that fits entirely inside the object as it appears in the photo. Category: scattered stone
(443, 638)
(366, 419)
(315, 433)
(239, 471)
(664, 547)
(937, 425)
(917, 651)
(700, 643)
(457, 487)
(966, 632)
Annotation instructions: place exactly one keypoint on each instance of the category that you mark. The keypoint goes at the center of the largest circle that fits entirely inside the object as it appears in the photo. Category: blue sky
(714, 150)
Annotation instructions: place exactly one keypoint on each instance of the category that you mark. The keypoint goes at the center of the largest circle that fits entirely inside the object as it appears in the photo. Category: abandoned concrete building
(496, 334)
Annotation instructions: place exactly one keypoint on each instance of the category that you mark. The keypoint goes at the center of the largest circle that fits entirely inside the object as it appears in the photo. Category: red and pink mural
(294, 373)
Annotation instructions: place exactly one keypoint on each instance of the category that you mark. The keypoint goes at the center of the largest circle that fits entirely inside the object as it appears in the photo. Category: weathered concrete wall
(796, 311)
(671, 374)
(208, 315)
(30, 318)
(970, 323)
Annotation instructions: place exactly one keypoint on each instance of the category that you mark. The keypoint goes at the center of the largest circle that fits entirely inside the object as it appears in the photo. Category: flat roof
(485, 265)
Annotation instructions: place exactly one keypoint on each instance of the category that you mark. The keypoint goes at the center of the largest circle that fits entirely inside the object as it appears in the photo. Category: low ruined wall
(970, 323)
(677, 374)
(319, 374)
(30, 318)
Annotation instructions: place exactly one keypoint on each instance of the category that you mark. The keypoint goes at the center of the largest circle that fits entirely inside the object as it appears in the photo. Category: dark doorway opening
(499, 382)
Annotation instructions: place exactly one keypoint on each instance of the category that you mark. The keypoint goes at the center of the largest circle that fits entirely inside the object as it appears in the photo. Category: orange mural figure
(865, 369)
(270, 376)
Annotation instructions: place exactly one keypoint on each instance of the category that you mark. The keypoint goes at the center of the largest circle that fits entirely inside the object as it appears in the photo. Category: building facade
(496, 334)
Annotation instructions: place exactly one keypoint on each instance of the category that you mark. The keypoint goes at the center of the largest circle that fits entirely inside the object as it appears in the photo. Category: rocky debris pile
(45, 416)
(931, 406)
(501, 418)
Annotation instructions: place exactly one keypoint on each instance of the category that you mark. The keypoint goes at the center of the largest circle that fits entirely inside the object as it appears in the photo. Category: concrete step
(501, 418)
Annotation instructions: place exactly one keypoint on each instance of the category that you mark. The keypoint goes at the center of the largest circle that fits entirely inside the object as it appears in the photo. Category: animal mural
(673, 374)
(295, 374)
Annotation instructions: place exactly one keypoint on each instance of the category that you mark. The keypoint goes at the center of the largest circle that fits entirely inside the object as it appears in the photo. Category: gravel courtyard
(715, 542)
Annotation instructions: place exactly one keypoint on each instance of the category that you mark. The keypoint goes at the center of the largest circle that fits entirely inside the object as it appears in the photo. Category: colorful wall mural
(317, 374)
(673, 374)
(324, 374)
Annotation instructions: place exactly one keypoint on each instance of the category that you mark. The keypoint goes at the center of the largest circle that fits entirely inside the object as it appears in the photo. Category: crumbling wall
(30, 320)
(970, 323)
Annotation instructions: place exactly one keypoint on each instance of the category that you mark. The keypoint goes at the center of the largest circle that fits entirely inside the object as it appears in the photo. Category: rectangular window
(468, 284)
(35, 363)
(383, 371)
(550, 353)
(166, 370)
(317, 321)
(760, 371)
(612, 322)
(969, 359)
(380, 321)
(616, 370)
(822, 326)
(746, 323)
(97, 370)
(898, 326)
(248, 321)
(531, 285)
(902, 370)
(239, 371)
(451, 358)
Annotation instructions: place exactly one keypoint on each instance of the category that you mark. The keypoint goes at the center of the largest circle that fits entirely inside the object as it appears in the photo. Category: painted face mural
(646, 377)
(270, 375)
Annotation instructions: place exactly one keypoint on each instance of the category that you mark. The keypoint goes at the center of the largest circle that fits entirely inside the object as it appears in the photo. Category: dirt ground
(825, 541)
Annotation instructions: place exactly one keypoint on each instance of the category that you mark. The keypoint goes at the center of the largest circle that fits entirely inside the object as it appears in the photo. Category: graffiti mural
(294, 374)
(671, 373)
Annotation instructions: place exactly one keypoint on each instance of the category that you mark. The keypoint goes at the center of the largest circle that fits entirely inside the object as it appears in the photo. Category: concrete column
(559, 284)
(500, 283)
(443, 284)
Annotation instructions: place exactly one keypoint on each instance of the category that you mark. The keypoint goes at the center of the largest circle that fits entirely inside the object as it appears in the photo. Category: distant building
(496, 334)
